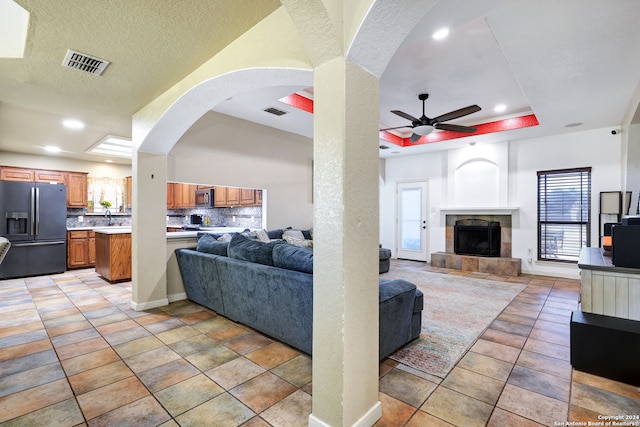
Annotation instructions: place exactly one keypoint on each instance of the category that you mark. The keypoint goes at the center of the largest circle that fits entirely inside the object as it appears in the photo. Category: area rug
(457, 310)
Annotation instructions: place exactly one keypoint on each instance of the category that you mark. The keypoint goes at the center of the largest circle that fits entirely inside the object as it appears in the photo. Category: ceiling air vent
(275, 111)
(83, 62)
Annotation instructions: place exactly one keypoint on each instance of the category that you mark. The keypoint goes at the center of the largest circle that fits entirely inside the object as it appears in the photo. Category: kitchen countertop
(176, 234)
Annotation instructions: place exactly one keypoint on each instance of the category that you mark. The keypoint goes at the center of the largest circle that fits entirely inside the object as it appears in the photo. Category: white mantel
(480, 210)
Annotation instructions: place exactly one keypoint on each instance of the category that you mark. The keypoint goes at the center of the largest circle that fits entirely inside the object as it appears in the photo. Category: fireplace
(476, 237)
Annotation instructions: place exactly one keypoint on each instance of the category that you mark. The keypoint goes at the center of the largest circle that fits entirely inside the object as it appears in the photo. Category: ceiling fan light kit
(423, 130)
(425, 125)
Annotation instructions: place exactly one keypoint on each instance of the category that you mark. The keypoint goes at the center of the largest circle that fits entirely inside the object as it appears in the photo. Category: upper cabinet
(76, 190)
(16, 174)
(76, 182)
(232, 196)
(181, 196)
(129, 185)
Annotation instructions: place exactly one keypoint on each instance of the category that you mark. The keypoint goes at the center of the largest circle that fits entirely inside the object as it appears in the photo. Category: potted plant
(105, 204)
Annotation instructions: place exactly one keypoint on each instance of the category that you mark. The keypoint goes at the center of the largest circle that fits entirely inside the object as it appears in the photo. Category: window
(564, 213)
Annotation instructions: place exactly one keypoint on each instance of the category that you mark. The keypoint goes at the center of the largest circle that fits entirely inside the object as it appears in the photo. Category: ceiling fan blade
(457, 113)
(414, 137)
(454, 128)
(397, 127)
(405, 115)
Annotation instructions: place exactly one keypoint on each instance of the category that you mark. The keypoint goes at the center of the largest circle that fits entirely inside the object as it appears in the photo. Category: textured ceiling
(567, 62)
(151, 45)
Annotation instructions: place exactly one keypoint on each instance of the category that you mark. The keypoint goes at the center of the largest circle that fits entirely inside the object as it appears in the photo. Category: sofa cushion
(207, 243)
(252, 250)
(293, 258)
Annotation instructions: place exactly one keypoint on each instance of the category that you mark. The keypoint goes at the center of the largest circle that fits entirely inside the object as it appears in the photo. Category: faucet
(107, 214)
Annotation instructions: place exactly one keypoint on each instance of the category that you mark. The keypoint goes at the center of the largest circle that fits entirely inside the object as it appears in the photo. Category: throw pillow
(252, 250)
(262, 236)
(275, 234)
(207, 243)
(293, 258)
(296, 238)
(225, 238)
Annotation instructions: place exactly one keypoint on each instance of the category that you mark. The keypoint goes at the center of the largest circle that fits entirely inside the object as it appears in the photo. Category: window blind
(564, 213)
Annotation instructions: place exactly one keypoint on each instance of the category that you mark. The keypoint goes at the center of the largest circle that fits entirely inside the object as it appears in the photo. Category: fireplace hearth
(476, 237)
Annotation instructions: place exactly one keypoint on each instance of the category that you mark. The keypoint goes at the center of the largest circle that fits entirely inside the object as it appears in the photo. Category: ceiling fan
(425, 125)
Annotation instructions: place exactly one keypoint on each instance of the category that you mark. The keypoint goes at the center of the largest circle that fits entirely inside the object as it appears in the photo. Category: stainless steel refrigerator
(34, 219)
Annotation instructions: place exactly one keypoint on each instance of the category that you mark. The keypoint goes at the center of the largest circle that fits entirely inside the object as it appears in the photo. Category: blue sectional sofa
(269, 287)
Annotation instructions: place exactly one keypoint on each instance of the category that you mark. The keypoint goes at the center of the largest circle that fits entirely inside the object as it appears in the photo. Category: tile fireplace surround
(503, 265)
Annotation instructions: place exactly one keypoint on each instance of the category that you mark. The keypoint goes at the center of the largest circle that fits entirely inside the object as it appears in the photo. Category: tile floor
(72, 352)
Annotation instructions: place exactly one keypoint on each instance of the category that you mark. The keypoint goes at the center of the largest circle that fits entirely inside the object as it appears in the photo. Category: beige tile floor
(72, 352)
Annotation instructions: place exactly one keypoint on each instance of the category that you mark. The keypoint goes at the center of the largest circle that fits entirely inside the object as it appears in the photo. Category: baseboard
(149, 305)
(367, 420)
(177, 297)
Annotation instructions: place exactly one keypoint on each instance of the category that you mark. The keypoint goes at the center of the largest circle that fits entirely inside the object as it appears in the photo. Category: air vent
(275, 111)
(83, 62)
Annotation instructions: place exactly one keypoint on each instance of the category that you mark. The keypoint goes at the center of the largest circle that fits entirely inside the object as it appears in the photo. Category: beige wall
(222, 150)
(95, 169)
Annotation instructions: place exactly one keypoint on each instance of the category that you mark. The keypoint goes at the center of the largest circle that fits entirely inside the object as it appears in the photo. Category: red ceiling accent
(298, 101)
(306, 104)
(484, 128)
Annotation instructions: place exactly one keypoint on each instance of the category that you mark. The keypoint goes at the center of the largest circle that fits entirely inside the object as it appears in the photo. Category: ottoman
(385, 254)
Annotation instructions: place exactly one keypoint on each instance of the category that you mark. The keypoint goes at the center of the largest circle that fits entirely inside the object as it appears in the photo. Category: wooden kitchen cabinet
(59, 177)
(219, 197)
(113, 255)
(170, 199)
(76, 189)
(81, 249)
(233, 196)
(185, 196)
(76, 182)
(8, 173)
(181, 196)
(247, 197)
(129, 181)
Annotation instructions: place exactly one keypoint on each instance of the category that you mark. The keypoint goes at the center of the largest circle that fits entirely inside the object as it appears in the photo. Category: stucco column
(149, 224)
(346, 233)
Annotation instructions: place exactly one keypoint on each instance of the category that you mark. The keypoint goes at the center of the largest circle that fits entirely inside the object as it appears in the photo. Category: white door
(412, 220)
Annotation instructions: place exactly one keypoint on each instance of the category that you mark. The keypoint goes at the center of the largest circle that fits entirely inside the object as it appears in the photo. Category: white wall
(598, 149)
(53, 162)
(222, 150)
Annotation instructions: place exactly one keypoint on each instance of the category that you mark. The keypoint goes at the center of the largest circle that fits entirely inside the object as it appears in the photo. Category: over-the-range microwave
(204, 198)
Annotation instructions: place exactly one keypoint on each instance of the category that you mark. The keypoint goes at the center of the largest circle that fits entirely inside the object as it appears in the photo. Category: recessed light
(499, 108)
(52, 149)
(441, 34)
(109, 161)
(73, 124)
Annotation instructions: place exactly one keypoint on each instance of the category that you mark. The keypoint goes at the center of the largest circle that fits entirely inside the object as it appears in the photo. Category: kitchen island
(113, 248)
(113, 253)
